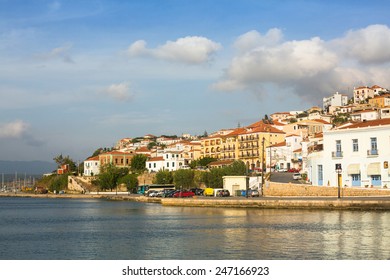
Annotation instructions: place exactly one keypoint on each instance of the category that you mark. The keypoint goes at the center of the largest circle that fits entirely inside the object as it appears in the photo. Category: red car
(184, 194)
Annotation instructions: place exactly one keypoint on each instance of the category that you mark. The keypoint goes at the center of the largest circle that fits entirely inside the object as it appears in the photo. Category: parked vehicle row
(198, 192)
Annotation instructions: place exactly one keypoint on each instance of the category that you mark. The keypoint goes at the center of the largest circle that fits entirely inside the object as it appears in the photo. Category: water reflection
(97, 229)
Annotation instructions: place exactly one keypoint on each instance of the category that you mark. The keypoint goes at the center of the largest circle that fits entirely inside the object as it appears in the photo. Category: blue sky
(79, 75)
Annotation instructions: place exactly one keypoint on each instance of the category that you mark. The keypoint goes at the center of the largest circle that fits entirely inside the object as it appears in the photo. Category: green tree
(163, 177)
(202, 162)
(109, 176)
(131, 182)
(237, 168)
(213, 179)
(61, 160)
(184, 178)
(138, 162)
(151, 145)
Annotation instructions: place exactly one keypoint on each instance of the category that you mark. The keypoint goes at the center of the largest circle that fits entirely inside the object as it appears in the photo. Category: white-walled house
(155, 164)
(336, 99)
(170, 160)
(284, 155)
(362, 149)
(91, 166)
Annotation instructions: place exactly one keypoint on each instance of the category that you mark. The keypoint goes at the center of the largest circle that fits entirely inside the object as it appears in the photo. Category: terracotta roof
(115, 153)
(281, 144)
(156, 159)
(221, 162)
(278, 123)
(142, 150)
(372, 123)
(96, 158)
(322, 121)
(298, 150)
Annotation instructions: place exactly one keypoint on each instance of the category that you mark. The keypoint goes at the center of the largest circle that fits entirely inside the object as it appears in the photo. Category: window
(338, 145)
(374, 144)
(355, 145)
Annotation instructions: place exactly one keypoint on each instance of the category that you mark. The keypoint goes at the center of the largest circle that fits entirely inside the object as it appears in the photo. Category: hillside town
(345, 142)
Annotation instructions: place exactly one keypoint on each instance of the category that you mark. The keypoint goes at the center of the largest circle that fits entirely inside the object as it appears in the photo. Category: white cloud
(119, 91)
(15, 129)
(61, 52)
(311, 68)
(367, 45)
(253, 39)
(191, 50)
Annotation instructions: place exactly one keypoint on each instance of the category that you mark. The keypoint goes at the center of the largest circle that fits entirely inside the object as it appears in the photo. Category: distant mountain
(28, 167)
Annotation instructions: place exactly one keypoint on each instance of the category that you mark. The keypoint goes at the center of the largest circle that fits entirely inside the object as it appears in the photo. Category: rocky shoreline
(325, 203)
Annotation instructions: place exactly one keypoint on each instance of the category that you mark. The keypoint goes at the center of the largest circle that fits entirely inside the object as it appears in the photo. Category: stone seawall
(325, 204)
(289, 189)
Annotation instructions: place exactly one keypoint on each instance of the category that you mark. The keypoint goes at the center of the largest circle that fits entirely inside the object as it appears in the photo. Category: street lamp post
(338, 171)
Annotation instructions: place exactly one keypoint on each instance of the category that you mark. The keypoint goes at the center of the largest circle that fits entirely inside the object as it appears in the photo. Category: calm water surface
(33, 228)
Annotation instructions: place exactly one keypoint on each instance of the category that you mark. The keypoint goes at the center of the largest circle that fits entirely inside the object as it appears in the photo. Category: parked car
(170, 193)
(254, 193)
(293, 170)
(197, 191)
(208, 192)
(183, 194)
(152, 193)
(297, 176)
(223, 193)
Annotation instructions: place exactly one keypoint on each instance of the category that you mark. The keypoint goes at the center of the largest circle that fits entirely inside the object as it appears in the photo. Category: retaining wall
(289, 189)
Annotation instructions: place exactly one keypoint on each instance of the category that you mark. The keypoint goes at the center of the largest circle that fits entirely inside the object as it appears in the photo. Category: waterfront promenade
(326, 203)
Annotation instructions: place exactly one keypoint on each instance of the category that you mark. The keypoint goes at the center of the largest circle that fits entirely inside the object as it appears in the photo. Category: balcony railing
(372, 152)
(337, 154)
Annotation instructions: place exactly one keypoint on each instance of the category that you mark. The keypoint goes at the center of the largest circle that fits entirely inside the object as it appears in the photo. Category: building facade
(361, 150)
(335, 100)
(92, 166)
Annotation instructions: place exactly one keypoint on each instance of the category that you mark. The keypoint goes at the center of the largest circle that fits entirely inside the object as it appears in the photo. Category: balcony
(372, 153)
(337, 154)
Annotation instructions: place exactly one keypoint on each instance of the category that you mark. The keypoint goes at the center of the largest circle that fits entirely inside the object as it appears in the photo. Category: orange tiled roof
(281, 144)
(372, 123)
(96, 158)
(156, 159)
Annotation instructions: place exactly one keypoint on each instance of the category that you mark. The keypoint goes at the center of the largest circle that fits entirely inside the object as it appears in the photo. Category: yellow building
(253, 141)
(211, 146)
(380, 101)
(245, 144)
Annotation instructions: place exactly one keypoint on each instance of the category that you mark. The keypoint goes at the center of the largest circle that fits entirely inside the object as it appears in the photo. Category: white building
(365, 115)
(170, 160)
(92, 166)
(336, 99)
(363, 93)
(285, 155)
(363, 151)
(155, 164)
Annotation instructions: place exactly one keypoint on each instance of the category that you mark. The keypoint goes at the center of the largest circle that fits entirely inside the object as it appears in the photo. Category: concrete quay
(326, 203)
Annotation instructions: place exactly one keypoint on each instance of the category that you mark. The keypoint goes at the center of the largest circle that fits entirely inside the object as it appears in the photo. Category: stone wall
(146, 178)
(289, 189)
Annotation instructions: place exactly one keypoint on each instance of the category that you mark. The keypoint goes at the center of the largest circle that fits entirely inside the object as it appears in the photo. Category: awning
(353, 169)
(374, 168)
